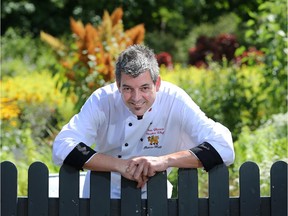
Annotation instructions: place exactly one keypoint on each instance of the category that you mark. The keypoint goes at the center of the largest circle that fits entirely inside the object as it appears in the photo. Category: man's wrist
(120, 165)
(167, 161)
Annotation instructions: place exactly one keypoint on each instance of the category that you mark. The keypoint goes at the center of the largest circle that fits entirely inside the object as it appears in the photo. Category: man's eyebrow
(125, 85)
(144, 85)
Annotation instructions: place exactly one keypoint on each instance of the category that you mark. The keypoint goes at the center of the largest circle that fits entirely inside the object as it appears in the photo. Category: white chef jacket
(173, 123)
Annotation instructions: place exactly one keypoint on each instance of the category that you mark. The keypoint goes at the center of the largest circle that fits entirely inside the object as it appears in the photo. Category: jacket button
(130, 124)
(141, 139)
(126, 144)
(119, 156)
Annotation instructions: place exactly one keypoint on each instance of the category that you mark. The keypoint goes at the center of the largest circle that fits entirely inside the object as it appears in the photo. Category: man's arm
(106, 163)
(82, 156)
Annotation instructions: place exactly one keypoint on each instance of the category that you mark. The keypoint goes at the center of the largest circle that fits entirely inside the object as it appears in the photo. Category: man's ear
(158, 83)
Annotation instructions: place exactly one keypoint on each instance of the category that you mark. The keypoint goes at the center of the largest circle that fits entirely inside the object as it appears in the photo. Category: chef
(140, 125)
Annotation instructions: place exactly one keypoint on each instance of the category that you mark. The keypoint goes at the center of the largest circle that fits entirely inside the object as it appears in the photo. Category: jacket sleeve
(212, 141)
(79, 156)
(207, 154)
(72, 144)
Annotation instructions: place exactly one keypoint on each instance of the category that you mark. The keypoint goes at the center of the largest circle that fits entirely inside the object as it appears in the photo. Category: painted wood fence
(249, 202)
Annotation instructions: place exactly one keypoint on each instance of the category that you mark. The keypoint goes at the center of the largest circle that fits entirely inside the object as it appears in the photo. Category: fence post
(130, 198)
(8, 189)
(100, 193)
(249, 189)
(157, 204)
(219, 191)
(68, 191)
(187, 192)
(38, 176)
(278, 186)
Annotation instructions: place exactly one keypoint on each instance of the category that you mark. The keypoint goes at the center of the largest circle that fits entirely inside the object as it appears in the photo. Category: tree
(176, 17)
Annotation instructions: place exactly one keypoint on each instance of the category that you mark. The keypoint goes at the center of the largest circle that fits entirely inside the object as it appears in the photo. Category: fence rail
(249, 202)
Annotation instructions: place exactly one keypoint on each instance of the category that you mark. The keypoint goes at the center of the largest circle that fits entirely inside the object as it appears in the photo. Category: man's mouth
(138, 104)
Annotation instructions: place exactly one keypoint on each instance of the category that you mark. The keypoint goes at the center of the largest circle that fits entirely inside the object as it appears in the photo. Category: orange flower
(136, 34)
(116, 16)
(77, 28)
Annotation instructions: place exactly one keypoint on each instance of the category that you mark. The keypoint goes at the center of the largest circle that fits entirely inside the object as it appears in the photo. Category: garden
(233, 67)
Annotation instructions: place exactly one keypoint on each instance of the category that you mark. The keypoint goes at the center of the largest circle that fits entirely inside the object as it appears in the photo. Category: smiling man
(141, 125)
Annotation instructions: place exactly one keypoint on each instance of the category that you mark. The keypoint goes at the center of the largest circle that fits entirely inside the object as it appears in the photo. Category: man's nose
(136, 95)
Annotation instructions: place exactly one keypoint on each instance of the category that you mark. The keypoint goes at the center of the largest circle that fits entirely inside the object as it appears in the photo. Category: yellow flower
(9, 108)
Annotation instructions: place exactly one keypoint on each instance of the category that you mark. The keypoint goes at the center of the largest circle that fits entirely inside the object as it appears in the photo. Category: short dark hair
(137, 59)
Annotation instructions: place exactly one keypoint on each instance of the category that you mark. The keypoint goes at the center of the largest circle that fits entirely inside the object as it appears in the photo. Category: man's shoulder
(106, 90)
(170, 88)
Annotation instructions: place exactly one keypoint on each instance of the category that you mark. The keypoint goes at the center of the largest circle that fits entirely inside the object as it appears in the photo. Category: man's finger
(143, 181)
(131, 170)
(138, 171)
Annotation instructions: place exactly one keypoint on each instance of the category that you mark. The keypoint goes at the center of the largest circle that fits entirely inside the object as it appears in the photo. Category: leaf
(239, 51)
(52, 41)
(249, 33)
(250, 23)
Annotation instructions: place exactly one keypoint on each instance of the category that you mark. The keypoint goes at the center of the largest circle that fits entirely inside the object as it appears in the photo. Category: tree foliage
(177, 17)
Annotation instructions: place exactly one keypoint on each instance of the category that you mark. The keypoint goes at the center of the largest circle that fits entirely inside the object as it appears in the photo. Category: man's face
(138, 93)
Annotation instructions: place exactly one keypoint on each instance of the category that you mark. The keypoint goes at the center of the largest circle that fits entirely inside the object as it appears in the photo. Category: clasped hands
(141, 168)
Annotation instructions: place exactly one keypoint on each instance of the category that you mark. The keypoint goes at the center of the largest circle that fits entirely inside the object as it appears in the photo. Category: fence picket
(68, 191)
(188, 203)
(100, 193)
(219, 191)
(130, 198)
(188, 192)
(8, 188)
(157, 204)
(249, 189)
(38, 175)
(278, 185)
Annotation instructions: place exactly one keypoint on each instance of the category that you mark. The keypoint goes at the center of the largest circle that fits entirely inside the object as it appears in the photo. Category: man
(141, 126)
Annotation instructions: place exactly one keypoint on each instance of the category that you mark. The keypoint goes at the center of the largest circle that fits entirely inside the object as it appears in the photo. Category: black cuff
(79, 155)
(208, 155)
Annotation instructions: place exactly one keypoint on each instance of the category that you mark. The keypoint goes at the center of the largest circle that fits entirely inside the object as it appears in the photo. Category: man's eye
(146, 88)
(126, 89)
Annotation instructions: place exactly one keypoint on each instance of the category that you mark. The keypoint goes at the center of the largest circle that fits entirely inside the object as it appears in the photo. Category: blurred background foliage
(230, 57)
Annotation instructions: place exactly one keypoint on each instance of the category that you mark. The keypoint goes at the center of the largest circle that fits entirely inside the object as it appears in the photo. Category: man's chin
(137, 112)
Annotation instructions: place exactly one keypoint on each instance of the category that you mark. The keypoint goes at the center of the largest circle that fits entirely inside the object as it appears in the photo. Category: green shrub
(31, 106)
(24, 154)
(264, 146)
(31, 109)
(267, 30)
(23, 53)
(234, 96)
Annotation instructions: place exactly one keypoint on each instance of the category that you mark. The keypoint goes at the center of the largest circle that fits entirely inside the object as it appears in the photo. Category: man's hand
(141, 168)
(127, 168)
(102, 162)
